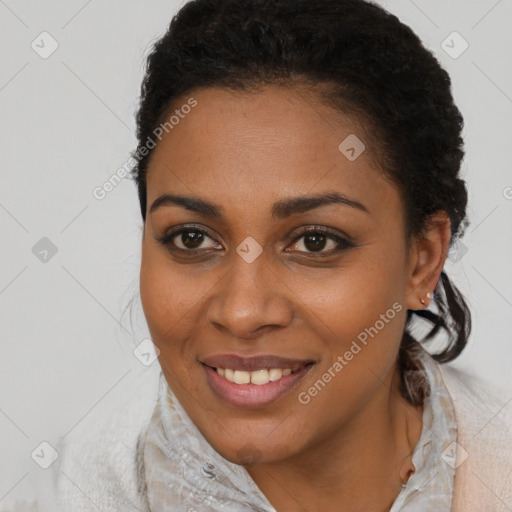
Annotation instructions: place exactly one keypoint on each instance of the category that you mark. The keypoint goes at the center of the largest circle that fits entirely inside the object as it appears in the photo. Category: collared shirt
(184, 473)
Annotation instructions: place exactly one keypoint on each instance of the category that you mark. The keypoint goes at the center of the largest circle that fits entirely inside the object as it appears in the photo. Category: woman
(298, 175)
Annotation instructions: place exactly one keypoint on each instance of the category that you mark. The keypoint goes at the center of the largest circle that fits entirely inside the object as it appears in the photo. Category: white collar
(430, 488)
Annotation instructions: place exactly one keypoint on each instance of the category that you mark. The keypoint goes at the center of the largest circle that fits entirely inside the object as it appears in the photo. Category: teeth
(241, 377)
(275, 374)
(258, 377)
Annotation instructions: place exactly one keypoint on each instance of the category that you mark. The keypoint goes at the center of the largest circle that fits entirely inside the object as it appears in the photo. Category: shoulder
(483, 413)
(99, 464)
(469, 389)
(476, 401)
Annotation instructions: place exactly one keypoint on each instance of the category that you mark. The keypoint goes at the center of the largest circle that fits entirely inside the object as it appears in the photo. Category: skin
(350, 446)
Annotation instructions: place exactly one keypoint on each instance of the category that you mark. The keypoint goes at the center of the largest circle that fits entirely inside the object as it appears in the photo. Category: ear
(427, 256)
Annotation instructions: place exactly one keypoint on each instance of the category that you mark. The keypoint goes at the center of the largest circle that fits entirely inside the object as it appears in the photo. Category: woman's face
(245, 284)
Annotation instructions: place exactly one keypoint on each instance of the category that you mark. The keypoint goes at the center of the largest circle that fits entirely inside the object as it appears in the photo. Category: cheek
(173, 300)
(163, 299)
(165, 309)
(166, 294)
(359, 355)
(358, 320)
(343, 302)
(359, 315)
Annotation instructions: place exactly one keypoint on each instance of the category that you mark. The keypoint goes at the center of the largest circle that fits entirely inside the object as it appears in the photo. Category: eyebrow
(280, 210)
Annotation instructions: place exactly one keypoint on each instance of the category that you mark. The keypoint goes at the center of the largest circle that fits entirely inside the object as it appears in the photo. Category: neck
(358, 468)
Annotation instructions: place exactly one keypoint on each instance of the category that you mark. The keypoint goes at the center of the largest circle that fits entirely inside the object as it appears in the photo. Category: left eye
(316, 240)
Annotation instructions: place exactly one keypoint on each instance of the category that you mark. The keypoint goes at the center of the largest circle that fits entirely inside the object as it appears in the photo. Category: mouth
(254, 382)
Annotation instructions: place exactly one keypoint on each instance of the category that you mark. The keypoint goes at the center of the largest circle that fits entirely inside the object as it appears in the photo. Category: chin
(250, 450)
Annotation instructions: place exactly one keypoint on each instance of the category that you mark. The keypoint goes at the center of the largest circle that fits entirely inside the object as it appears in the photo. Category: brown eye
(190, 239)
(187, 239)
(317, 239)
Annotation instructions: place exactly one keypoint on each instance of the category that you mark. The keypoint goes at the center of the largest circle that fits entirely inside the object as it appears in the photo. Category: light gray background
(67, 125)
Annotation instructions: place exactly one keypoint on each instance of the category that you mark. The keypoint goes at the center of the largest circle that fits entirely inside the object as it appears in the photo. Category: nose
(251, 298)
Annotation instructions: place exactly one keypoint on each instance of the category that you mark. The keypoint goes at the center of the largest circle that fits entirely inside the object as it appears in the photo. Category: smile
(253, 382)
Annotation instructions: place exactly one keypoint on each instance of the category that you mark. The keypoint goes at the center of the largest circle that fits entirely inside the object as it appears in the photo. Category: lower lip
(253, 396)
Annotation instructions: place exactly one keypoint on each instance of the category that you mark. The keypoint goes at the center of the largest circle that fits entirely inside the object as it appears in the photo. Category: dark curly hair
(360, 59)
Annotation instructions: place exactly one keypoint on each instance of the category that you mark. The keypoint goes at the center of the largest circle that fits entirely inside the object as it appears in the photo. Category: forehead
(255, 148)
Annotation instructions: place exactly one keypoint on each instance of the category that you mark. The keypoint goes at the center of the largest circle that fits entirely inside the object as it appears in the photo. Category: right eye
(187, 239)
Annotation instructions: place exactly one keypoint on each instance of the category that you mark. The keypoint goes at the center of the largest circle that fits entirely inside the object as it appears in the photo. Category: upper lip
(236, 362)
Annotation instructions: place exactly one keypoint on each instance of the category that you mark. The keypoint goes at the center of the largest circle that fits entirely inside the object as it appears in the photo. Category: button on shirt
(184, 473)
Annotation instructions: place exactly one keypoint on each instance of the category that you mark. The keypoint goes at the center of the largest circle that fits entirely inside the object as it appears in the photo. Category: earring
(429, 296)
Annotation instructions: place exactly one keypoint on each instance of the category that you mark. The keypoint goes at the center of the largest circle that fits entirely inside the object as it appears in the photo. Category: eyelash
(343, 244)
